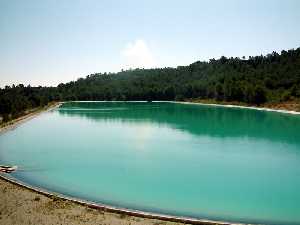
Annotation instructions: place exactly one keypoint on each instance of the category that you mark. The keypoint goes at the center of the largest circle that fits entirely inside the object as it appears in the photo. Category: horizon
(131, 69)
(47, 43)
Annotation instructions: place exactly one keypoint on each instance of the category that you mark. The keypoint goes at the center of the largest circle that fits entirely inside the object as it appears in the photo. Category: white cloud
(137, 55)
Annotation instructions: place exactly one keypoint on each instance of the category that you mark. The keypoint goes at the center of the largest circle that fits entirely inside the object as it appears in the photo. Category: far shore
(292, 107)
(19, 205)
(27, 116)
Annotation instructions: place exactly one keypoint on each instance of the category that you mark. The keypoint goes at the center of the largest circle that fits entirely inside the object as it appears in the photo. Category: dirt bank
(21, 206)
(288, 105)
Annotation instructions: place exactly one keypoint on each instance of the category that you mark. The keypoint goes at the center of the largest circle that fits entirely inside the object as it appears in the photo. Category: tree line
(259, 79)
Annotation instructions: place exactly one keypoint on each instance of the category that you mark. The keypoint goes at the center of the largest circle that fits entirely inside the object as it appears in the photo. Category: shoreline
(11, 184)
(19, 205)
(130, 214)
(275, 107)
(12, 124)
(259, 108)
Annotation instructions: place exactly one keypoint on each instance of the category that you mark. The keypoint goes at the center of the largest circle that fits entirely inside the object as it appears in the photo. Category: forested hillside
(256, 80)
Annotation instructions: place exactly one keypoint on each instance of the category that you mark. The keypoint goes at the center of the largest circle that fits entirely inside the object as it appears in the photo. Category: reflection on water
(198, 120)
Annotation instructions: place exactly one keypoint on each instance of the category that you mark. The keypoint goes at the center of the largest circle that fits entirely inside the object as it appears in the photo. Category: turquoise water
(219, 163)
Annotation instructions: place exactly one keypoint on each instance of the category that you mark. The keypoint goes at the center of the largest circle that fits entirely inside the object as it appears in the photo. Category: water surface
(219, 163)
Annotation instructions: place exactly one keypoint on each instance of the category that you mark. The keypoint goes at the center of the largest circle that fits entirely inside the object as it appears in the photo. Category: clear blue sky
(45, 42)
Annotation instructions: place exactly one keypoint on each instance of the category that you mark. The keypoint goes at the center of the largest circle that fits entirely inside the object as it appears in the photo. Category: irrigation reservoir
(210, 162)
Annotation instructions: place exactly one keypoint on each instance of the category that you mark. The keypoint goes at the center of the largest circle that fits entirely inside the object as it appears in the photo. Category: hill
(273, 78)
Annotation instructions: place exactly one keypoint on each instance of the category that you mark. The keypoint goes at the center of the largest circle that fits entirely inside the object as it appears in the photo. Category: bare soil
(20, 206)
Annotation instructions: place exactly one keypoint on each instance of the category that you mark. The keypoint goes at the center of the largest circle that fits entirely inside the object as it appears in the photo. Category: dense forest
(256, 80)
